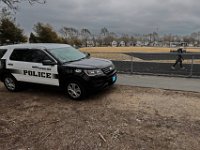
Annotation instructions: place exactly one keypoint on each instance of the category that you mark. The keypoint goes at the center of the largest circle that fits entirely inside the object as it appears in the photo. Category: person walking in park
(179, 59)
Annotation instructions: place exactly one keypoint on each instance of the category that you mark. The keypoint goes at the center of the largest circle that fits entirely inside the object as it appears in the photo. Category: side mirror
(48, 63)
(87, 54)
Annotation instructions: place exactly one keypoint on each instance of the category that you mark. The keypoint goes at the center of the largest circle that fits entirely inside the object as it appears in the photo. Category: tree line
(11, 33)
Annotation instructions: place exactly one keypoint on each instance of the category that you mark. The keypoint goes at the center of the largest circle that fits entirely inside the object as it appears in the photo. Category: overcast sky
(120, 16)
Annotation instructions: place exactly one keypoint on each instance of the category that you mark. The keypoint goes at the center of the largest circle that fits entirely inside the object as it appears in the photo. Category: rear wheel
(75, 90)
(11, 83)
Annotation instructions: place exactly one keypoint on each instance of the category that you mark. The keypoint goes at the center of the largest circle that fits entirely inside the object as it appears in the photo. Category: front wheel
(10, 83)
(75, 90)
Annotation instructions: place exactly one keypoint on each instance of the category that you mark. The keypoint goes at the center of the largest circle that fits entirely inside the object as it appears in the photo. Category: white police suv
(54, 64)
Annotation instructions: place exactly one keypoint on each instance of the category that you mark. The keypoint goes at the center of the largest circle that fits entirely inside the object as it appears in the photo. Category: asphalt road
(170, 83)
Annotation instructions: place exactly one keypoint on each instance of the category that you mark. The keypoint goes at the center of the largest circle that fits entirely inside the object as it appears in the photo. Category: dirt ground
(117, 118)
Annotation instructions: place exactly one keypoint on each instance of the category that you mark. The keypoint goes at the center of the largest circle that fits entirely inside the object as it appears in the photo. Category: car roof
(35, 45)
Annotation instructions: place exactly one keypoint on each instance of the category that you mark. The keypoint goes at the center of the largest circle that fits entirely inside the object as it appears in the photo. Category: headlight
(94, 72)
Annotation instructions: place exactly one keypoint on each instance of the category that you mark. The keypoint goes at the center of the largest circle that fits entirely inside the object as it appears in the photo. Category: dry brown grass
(124, 57)
(132, 49)
(112, 56)
(118, 118)
(117, 53)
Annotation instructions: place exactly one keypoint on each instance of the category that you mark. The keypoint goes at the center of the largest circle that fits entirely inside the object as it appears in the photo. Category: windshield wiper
(69, 61)
(73, 60)
(80, 58)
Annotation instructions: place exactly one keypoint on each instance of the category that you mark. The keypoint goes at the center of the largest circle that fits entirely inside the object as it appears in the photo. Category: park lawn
(132, 49)
(118, 53)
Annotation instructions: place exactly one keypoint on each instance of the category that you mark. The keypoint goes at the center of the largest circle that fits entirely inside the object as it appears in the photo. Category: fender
(63, 79)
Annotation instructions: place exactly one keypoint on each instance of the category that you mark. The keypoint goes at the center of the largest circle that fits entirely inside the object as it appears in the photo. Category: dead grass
(112, 56)
(131, 49)
(120, 117)
(117, 53)
(124, 57)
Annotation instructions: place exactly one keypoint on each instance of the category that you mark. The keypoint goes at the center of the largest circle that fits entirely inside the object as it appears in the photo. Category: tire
(11, 83)
(75, 90)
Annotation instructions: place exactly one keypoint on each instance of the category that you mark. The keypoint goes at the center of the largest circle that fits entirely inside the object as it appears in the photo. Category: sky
(120, 16)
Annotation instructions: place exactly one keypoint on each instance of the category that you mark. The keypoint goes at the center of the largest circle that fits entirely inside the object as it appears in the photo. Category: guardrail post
(192, 65)
(131, 64)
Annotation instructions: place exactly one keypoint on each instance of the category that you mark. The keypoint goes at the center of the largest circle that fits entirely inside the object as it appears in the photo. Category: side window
(28, 55)
(19, 55)
(37, 56)
(2, 52)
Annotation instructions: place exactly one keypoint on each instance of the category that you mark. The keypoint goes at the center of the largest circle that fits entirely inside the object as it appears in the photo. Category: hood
(90, 63)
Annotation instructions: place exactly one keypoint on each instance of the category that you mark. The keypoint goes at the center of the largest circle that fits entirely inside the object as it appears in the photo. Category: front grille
(108, 70)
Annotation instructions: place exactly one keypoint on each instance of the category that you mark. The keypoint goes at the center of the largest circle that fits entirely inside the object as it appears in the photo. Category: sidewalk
(171, 83)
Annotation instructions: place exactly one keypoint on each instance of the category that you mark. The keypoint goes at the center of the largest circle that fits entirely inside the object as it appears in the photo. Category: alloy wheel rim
(74, 90)
(10, 84)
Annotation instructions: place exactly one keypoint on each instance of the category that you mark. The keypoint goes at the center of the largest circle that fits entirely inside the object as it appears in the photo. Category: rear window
(2, 52)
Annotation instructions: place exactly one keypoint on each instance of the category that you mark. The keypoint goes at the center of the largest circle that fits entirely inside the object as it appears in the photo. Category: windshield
(67, 54)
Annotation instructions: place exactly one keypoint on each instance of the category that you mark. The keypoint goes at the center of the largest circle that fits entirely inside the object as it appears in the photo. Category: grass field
(132, 49)
(117, 53)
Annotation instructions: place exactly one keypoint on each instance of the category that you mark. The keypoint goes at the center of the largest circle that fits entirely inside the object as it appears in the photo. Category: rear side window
(2, 52)
(28, 55)
(19, 55)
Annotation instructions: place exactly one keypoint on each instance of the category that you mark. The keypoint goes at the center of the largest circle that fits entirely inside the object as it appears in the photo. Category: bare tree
(104, 31)
(4, 13)
(12, 4)
(71, 36)
(110, 38)
(69, 32)
(103, 35)
(125, 38)
(86, 34)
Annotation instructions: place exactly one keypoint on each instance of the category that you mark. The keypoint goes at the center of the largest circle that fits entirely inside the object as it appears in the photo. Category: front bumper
(100, 82)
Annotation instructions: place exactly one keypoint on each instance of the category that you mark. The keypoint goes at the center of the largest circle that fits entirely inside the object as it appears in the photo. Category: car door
(26, 65)
(2, 62)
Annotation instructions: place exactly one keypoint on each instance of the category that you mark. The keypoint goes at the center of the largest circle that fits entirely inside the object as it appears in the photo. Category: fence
(153, 63)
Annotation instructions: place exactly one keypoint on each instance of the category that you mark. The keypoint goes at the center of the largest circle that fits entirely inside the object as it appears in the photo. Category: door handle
(10, 64)
(35, 67)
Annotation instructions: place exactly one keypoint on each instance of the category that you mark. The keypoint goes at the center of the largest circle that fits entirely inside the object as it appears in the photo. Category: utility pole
(198, 35)
(157, 30)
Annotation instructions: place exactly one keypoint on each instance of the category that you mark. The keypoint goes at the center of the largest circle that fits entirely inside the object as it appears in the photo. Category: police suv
(54, 64)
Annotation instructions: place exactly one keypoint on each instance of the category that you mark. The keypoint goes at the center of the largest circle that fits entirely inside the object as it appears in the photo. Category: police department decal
(37, 74)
